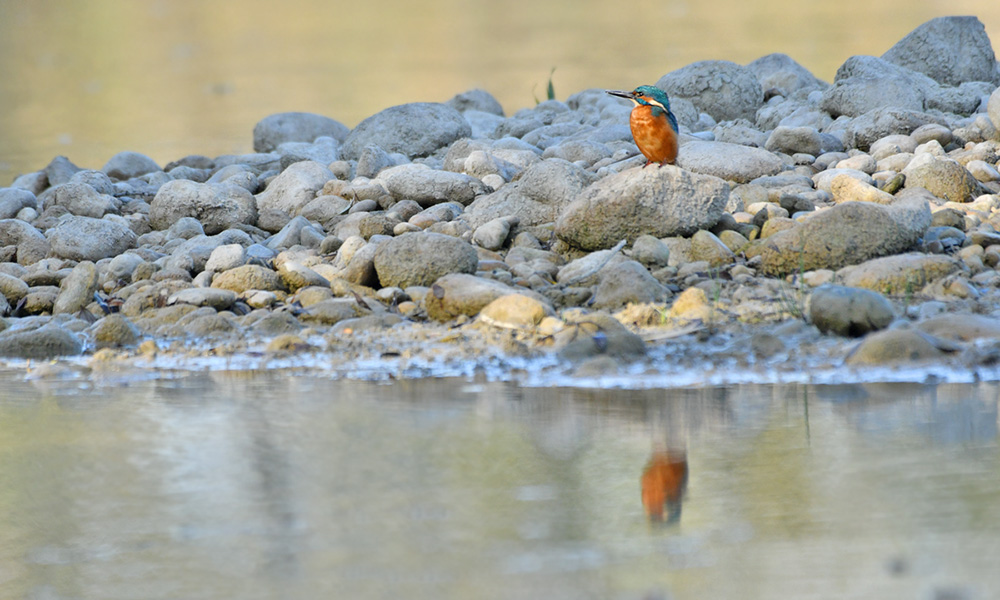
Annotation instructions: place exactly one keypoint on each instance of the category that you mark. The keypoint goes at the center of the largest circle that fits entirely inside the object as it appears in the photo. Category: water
(171, 78)
(239, 485)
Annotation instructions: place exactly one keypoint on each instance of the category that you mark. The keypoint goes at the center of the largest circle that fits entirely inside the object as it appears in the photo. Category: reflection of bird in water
(663, 483)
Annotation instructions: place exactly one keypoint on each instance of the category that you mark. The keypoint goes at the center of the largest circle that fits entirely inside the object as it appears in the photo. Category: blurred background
(174, 77)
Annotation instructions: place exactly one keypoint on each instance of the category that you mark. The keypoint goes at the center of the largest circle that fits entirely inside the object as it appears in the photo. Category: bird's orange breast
(653, 134)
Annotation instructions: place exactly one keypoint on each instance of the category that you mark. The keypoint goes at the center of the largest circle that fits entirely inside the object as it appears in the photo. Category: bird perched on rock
(654, 127)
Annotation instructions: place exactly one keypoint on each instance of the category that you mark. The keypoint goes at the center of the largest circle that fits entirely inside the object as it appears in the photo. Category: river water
(222, 485)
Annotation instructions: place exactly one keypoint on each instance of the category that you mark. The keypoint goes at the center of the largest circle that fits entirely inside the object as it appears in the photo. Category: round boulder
(421, 258)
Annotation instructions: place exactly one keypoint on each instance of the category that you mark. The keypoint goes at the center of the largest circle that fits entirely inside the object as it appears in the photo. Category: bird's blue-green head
(649, 95)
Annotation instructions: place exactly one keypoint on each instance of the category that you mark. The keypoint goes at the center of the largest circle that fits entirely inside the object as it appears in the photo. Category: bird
(654, 127)
(663, 483)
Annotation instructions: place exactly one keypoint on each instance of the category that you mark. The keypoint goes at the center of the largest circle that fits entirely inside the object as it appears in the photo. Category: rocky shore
(806, 226)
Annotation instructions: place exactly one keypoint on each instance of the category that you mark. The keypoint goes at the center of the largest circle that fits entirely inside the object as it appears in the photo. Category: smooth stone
(277, 129)
(330, 312)
(476, 99)
(84, 238)
(845, 234)
(294, 188)
(77, 290)
(225, 257)
(12, 288)
(429, 186)
(596, 334)
(82, 200)
(414, 130)
(493, 234)
(115, 331)
(961, 327)
(515, 311)
(943, 177)
(849, 189)
(877, 123)
(422, 258)
(297, 276)
(791, 140)
(660, 201)
(463, 294)
(626, 282)
(127, 165)
(894, 346)
(249, 277)
(216, 206)
(950, 50)
(900, 274)
(993, 108)
(732, 162)
(48, 341)
(782, 72)
(13, 200)
(32, 245)
(849, 311)
(219, 299)
(707, 247)
(650, 251)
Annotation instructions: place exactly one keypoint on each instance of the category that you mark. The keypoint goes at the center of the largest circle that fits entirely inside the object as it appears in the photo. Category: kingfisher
(654, 127)
(663, 483)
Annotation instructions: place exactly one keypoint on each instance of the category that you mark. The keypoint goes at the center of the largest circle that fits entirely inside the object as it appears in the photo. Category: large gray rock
(420, 258)
(126, 165)
(894, 346)
(218, 206)
(31, 243)
(295, 187)
(84, 238)
(864, 83)
(733, 162)
(792, 140)
(478, 100)
(993, 108)
(781, 72)
(846, 234)
(723, 89)
(415, 129)
(950, 50)
(626, 282)
(847, 311)
(429, 186)
(274, 130)
(659, 201)
(537, 197)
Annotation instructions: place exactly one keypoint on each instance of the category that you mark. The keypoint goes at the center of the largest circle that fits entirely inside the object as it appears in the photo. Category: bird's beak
(620, 93)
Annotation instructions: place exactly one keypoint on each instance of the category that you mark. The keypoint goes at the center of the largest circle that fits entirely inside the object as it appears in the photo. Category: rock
(880, 122)
(792, 140)
(373, 160)
(115, 331)
(950, 50)
(297, 276)
(824, 179)
(539, 196)
(848, 311)
(421, 258)
(894, 346)
(31, 244)
(330, 312)
(60, 170)
(588, 335)
(323, 150)
(849, 189)
(626, 282)
(219, 299)
(478, 100)
(248, 277)
(865, 83)
(430, 186)
(275, 324)
(650, 251)
(780, 71)
(961, 327)
(127, 165)
(846, 234)
(707, 247)
(414, 130)
(185, 228)
(723, 89)
(225, 257)
(733, 162)
(47, 341)
(690, 307)
(903, 274)
(77, 290)
(277, 129)
(84, 238)
(13, 200)
(12, 288)
(662, 201)
(993, 108)
(514, 311)
(462, 294)
(943, 177)
(294, 188)
(82, 200)
(493, 234)
(216, 206)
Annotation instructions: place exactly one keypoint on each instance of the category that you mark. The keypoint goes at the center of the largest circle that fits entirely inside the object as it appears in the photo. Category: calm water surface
(171, 78)
(233, 485)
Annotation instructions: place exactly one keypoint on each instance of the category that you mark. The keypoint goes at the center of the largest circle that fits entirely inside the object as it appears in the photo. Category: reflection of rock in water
(663, 485)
